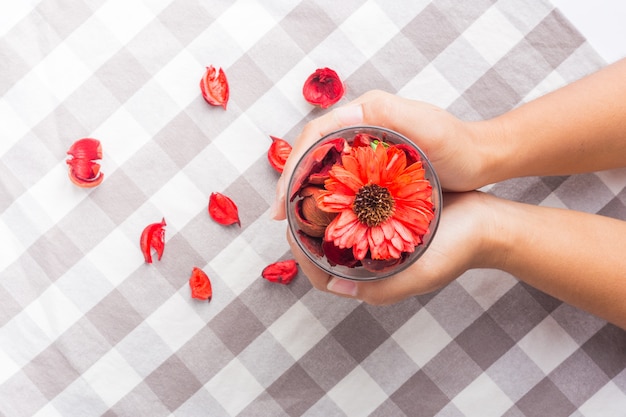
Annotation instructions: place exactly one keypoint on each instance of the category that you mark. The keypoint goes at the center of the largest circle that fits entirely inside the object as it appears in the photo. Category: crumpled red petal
(200, 284)
(153, 237)
(281, 272)
(83, 170)
(323, 88)
(278, 153)
(223, 210)
(214, 87)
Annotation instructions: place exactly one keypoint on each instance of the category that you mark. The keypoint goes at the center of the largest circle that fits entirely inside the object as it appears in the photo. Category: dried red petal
(200, 285)
(281, 272)
(323, 88)
(83, 171)
(214, 87)
(278, 153)
(153, 237)
(223, 210)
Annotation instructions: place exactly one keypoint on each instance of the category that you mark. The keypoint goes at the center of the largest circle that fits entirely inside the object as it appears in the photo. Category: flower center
(373, 205)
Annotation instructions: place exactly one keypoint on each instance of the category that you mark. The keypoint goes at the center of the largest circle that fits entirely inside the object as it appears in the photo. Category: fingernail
(349, 115)
(342, 286)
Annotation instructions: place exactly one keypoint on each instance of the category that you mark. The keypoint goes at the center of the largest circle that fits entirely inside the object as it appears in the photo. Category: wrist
(491, 144)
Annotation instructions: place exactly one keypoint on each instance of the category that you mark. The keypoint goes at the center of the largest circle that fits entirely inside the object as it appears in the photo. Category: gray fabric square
(585, 192)
(32, 148)
(266, 358)
(386, 409)
(327, 362)
(56, 253)
(454, 309)
(173, 383)
(463, 17)
(275, 66)
(399, 61)
(367, 77)
(169, 138)
(51, 372)
(555, 38)
(615, 209)
(523, 68)
(84, 344)
(545, 396)
(152, 296)
(12, 67)
(420, 396)
(150, 55)
(491, 95)
(263, 405)
(186, 21)
(608, 349)
(295, 391)
(32, 45)
(178, 270)
(246, 72)
(63, 17)
(20, 397)
(10, 307)
(392, 317)
(236, 326)
(120, 204)
(484, 341)
(140, 169)
(579, 324)
(140, 398)
(452, 369)
(122, 75)
(114, 317)
(359, 333)
(10, 188)
(548, 302)
(515, 373)
(389, 366)
(86, 225)
(530, 190)
(461, 64)
(205, 355)
(565, 377)
(420, 31)
(307, 33)
(269, 301)
(25, 291)
(517, 312)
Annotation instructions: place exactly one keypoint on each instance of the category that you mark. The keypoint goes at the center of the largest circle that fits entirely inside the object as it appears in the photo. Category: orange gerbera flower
(384, 206)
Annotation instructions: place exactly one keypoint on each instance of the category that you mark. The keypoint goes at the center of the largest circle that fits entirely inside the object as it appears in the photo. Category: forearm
(577, 257)
(578, 128)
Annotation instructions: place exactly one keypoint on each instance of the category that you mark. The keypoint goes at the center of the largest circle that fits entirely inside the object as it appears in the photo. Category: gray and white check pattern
(88, 329)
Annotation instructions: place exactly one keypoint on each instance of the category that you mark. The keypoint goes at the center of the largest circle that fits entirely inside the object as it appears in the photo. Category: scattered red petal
(323, 88)
(278, 153)
(281, 272)
(214, 87)
(223, 210)
(200, 285)
(83, 171)
(153, 237)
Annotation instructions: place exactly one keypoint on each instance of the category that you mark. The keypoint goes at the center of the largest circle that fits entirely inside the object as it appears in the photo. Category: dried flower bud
(309, 217)
(83, 171)
(323, 88)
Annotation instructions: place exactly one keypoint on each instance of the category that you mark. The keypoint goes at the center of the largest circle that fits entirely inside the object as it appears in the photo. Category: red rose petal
(200, 285)
(223, 210)
(281, 272)
(214, 87)
(323, 88)
(153, 237)
(278, 153)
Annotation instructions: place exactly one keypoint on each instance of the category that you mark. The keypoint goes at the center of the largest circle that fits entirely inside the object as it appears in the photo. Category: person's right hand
(457, 149)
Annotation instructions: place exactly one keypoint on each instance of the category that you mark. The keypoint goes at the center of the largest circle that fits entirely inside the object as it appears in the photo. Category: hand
(461, 243)
(456, 149)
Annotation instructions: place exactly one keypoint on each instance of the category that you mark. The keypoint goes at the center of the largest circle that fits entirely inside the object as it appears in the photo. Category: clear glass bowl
(308, 223)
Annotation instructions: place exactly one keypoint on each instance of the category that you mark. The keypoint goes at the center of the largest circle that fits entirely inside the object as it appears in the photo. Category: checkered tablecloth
(89, 329)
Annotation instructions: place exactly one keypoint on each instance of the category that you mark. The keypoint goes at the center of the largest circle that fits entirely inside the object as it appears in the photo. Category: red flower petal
(214, 87)
(323, 88)
(83, 171)
(223, 210)
(200, 285)
(153, 237)
(278, 153)
(281, 272)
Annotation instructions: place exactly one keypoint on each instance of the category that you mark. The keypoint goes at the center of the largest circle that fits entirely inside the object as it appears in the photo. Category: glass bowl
(371, 209)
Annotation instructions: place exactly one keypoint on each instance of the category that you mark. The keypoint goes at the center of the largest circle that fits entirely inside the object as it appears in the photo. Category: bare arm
(578, 128)
(579, 258)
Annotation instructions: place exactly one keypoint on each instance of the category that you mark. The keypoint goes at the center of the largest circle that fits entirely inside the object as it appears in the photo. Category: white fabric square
(486, 286)
(369, 28)
(615, 179)
(246, 21)
(553, 81)
(422, 337)
(609, 401)
(53, 312)
(492, 35)
(234, 387)
(111, 377)
(357, 394)
(116, 246)
(121, 137)
(297, 330)
(124, 18)
(7, 367)
(12, 12)
(13, 127)
(183, 67)
(236, 274)
(242, 143)
(10, 247)
(181, 200)
(61, 72)
(176, 321)
(430, 86)
(152, 107)
(482, 398)
(94, 43)
(30, 99)
(548, 333)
